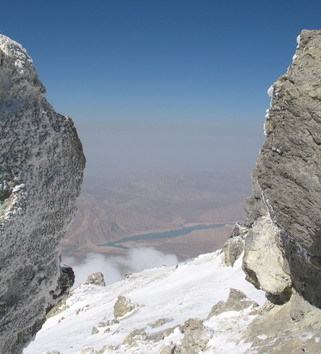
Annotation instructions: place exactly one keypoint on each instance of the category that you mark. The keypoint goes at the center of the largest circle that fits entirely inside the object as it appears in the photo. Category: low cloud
(115, 268)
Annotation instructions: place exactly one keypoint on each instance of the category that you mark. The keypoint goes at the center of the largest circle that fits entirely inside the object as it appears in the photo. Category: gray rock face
(41, 168)
(287, 178)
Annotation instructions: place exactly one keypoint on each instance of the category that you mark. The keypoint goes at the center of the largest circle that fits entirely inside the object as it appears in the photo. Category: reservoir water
(165, 234)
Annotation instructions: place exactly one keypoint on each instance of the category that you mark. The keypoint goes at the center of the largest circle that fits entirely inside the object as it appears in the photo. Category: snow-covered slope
(172, 295)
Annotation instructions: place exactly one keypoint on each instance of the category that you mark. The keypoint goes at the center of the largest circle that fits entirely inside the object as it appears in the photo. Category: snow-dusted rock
(234, 246)
(233, 249)
(41, 167)
(196, 337)
(236, 301)
(123, 306)
(96, 278)
(171, 296)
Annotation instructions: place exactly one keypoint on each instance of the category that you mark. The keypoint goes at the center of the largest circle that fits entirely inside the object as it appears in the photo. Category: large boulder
(287, 177)
(263, 261)
(41, 170)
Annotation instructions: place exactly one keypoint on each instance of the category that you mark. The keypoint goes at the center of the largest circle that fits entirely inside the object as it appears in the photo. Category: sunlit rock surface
(283, 246)
(41, 167)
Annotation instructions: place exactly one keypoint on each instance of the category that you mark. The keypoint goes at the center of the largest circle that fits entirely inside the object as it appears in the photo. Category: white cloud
(115, 268)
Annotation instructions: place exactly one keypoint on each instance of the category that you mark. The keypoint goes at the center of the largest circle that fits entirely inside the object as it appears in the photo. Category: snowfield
(172, 294)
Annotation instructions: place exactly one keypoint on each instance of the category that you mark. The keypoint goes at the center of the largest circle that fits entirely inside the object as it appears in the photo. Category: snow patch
(270, 91)
(181, 292)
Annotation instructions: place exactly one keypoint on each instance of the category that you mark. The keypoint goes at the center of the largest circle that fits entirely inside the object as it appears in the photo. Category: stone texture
(286, 181)
(234, 246)
(196, 337)
(263, 260)
(158, 336)
(160, 322)
(166, 349)
(237, 301)
(96, 278)
(290, 328)
(123, 306)
(134, 336)
(41, 168)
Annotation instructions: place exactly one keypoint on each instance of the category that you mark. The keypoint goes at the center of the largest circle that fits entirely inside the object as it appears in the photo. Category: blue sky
(161, 85)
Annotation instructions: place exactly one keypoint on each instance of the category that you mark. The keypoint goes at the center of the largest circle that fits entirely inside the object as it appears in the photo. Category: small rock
(107, 349)
(160, 322)
(94, 330)
(96, 279)
(166, 349)
(236, 301)
(158, 336)
(195, 338)
(106, 323)
(132, 337)
(89, 350)
(123, 306)
(60, 307)
(233, 248)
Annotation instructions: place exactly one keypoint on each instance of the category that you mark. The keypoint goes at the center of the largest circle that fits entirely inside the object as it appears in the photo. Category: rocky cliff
(283, 227)
(41, 167)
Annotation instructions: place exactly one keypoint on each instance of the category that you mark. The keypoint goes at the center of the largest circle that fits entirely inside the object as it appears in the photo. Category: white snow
(264, 129)
(270, 91)
(188, 290)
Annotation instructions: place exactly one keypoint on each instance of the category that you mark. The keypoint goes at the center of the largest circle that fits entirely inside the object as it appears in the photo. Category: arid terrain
(111, 210)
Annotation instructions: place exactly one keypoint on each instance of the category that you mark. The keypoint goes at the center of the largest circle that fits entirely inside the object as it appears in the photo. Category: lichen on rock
(41, 170)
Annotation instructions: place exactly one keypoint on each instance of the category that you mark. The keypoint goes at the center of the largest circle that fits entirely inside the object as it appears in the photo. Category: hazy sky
(161, 85)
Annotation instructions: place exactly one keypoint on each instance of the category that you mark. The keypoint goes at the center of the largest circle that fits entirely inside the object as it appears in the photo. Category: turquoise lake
(166, 234)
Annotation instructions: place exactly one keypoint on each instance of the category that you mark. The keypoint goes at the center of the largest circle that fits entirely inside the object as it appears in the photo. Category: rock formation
(41, 167)
(283, 243)
(96, 278)
(124, 306)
